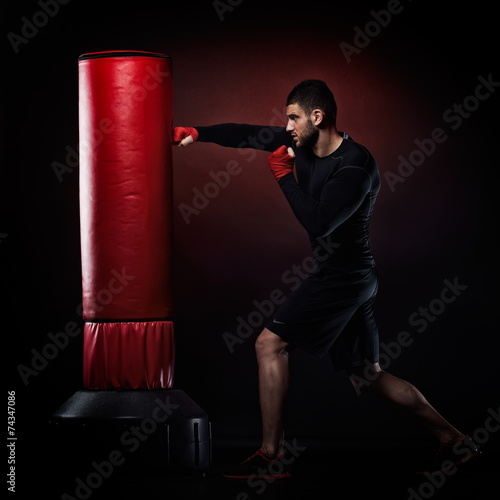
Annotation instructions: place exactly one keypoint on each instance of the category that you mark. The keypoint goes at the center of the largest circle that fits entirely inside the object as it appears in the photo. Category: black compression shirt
(332, 197)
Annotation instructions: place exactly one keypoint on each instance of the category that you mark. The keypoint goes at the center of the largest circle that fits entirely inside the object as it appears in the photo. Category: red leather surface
(128, 355)
(125, 110)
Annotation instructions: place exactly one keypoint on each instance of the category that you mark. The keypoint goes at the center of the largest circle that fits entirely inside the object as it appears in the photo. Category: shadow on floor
(343, 468)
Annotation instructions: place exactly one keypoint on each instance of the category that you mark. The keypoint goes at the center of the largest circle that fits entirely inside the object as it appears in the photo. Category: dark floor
(343, 468)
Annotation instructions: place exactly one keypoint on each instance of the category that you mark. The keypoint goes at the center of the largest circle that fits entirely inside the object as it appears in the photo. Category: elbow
(329, 222)
(321, 229)
(327, 230)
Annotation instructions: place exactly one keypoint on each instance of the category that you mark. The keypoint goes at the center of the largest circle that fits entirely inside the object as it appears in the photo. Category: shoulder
(354, 154)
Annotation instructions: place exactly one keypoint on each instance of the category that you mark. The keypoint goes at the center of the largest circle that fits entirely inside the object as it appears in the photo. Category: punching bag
(125, 124)
(126, 215)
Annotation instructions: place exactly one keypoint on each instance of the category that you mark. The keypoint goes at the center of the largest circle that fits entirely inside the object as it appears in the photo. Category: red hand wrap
(181, 133)
(280, 162)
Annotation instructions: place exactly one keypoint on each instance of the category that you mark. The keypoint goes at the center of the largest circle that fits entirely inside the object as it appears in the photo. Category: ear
(317, 117)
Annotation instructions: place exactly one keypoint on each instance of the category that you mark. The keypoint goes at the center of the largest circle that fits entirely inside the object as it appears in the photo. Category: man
(332, 194)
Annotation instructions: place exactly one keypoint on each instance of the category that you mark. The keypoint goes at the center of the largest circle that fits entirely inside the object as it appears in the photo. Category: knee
(269, 344)
(263, 345)
(260, 345)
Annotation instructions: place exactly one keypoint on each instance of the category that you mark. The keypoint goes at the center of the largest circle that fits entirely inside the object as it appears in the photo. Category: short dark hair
(314, 94)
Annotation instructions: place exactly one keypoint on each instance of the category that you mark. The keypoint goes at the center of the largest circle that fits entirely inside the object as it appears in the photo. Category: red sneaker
(259, 466)
(452, 455)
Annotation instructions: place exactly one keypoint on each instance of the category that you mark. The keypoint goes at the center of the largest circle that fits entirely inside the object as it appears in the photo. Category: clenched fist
(184, 136)
(281, 162)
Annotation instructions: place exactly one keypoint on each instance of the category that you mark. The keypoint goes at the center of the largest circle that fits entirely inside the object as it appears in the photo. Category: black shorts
(332, 313)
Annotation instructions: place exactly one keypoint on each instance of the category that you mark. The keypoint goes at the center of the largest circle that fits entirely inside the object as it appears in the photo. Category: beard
(309, 137)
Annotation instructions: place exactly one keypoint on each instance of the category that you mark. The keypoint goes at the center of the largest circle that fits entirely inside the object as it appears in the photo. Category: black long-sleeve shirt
(332, 197)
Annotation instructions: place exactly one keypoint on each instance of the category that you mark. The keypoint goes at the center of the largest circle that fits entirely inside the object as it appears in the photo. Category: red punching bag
(125, 110)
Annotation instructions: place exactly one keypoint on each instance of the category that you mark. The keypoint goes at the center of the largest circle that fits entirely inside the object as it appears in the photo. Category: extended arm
(236, 135)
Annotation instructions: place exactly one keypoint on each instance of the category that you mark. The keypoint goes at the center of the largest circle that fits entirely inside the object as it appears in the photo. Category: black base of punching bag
(154, 430)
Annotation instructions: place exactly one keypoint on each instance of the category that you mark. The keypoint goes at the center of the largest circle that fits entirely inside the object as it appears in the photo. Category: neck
(328, 141)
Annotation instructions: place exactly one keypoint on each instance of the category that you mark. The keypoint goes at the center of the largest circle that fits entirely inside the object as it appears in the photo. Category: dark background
(439, 224)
